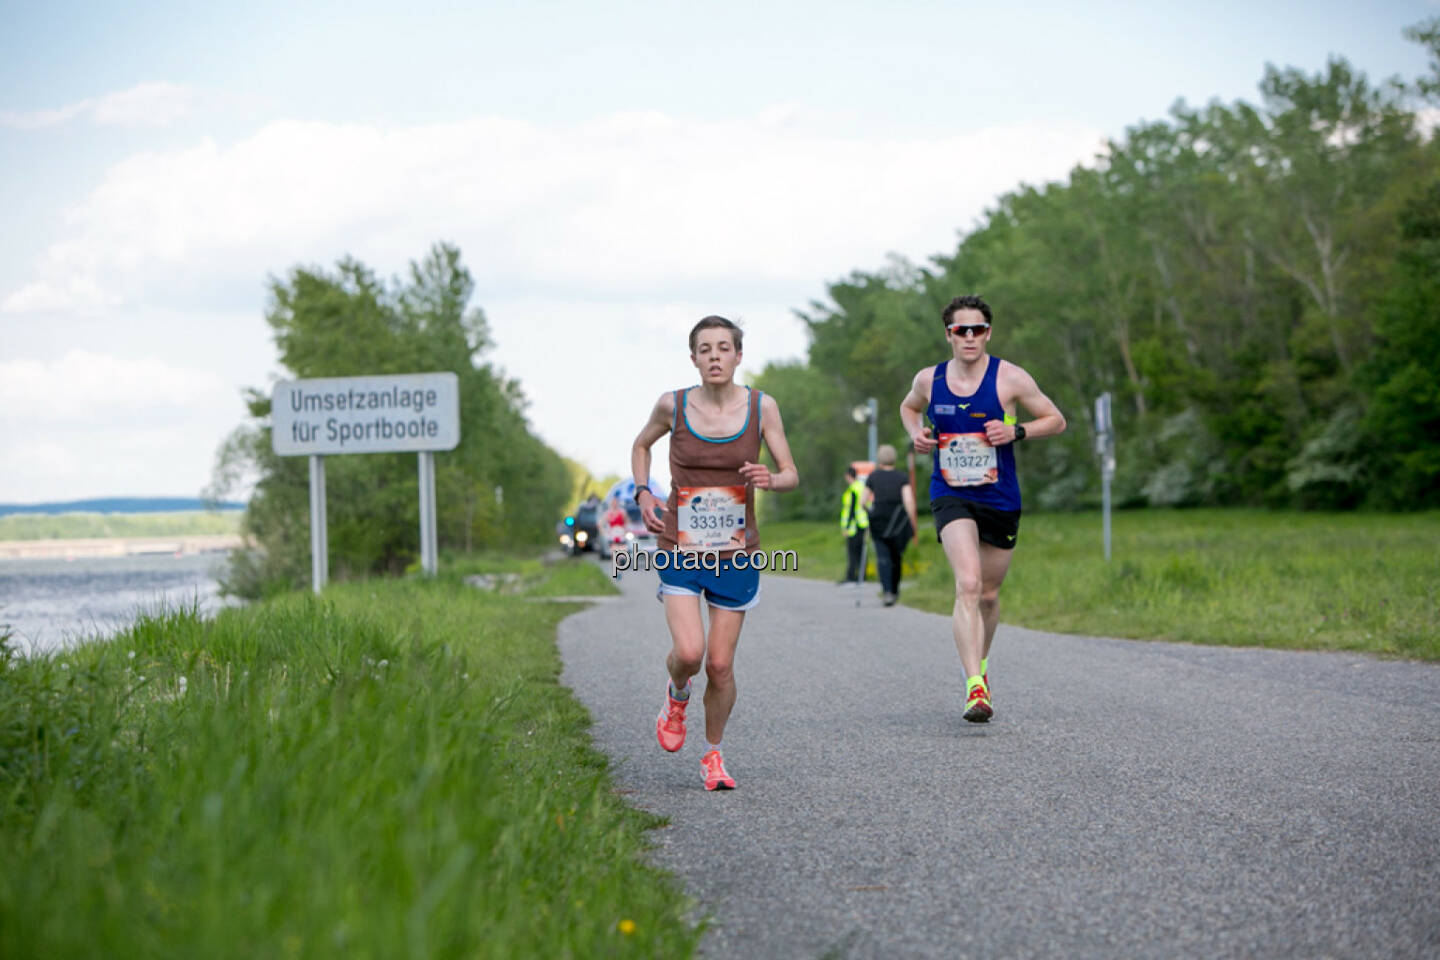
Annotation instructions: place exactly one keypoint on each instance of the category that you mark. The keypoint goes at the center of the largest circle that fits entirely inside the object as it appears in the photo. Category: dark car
(581, 531)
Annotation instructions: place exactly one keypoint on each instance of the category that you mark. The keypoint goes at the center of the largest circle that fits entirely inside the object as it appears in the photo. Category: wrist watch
(1019, 432)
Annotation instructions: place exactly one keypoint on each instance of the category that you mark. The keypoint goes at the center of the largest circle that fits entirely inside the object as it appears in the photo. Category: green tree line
(349, 323)
(1257, 285)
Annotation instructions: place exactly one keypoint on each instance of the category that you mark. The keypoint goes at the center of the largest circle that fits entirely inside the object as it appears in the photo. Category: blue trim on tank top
(685, 405)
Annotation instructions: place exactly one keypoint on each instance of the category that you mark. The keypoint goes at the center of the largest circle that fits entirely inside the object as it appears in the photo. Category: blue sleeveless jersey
(976, 471)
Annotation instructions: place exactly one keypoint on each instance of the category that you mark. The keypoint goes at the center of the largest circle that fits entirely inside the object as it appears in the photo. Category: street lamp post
(1105, 448)
(867, 413)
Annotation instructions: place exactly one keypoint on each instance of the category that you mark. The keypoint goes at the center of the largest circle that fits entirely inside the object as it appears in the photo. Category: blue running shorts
(729, 588)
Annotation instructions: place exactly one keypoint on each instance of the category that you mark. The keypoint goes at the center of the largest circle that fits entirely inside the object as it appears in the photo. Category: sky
(611, 173)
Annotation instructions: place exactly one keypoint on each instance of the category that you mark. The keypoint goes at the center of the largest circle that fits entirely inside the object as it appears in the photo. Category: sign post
(319, 527)
(428, 549)
(404, 413)
(866, 413)
(1105, 448)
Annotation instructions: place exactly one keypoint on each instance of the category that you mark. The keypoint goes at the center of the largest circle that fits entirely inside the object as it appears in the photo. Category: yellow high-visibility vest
(853, 515)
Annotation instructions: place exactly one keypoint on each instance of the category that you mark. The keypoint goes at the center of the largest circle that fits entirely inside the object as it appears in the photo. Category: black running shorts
(999, 528)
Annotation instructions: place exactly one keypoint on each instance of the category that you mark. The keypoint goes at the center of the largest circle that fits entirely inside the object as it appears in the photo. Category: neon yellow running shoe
(977, 707)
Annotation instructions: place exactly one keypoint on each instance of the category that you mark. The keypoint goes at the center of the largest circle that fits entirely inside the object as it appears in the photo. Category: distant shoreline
(120, 546)
(112, 505)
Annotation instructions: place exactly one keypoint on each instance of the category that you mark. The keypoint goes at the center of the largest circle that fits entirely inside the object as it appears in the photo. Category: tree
(1403, 415)
(348, 323)
(1234, 275)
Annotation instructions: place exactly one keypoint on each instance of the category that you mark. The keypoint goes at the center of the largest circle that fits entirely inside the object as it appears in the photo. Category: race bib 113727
(967, 460)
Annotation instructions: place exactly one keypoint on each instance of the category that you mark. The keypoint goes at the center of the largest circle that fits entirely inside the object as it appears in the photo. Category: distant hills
(119, 505)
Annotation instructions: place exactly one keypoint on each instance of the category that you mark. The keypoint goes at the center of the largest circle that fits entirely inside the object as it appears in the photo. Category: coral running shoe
(715, 776)
(977, 708)
(670, 725)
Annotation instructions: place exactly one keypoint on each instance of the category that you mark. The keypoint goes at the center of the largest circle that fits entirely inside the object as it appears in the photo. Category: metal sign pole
(428, 553)
(874, 415)
(871, 414)
(1105, 447)
(1105, 497)
(319, 533)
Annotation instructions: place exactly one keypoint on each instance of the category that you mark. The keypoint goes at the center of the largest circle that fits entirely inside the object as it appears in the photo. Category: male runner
(974, 492)
(716, 429)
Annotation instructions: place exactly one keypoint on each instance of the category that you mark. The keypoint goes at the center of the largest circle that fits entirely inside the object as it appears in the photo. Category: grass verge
(1355, 581)
(391, 770)
(80, 526)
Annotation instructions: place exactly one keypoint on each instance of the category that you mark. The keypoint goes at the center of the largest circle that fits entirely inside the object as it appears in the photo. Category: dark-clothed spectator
(891, 505)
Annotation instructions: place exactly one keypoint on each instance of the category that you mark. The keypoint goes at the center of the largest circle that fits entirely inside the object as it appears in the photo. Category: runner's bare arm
(772, 431)
(907, 497)
(912, 412)
(661, 417)
(1017, 385)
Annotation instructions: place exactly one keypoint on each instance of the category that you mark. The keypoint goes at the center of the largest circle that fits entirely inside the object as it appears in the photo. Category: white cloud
(146, 105)
(101, 388)
(631, 205)
(92, 424)
(1427, 119)
(594, 246)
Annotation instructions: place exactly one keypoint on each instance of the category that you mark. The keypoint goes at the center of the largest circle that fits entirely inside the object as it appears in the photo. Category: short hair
(970, 301)
(736, 334)
(850, 472)
(885, 455)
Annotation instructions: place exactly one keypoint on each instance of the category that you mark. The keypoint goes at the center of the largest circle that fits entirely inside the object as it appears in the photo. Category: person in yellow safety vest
(854, 521)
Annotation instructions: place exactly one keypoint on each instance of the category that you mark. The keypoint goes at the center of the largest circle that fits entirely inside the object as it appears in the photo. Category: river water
(50, 603)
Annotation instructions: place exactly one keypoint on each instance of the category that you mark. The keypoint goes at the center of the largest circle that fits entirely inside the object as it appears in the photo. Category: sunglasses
(974, 329)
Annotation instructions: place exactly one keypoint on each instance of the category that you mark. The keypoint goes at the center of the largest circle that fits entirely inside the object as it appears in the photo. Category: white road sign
(404, 413)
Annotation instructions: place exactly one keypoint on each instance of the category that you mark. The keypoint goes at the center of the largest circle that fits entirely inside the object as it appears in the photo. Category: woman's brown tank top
(711, 507)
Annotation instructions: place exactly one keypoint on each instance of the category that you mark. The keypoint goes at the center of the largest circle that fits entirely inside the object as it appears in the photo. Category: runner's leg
(994, 564)
(687, 638)
(720, 670)
(961, 540)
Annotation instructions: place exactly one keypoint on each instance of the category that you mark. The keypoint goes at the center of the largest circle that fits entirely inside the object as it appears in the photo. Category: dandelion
(626, 926)
(183, 683)
(64, 665)
(131, 655)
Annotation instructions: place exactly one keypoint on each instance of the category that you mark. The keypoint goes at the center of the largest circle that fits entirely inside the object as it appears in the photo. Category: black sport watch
(1019, 432)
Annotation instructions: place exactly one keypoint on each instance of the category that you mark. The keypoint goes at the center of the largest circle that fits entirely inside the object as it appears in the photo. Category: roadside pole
(871, 413)
(1105, 447)
(428, 552)
(319, 539)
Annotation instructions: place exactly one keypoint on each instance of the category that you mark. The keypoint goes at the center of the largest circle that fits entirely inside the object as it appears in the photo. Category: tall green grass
(1355, 581)
(391, 770)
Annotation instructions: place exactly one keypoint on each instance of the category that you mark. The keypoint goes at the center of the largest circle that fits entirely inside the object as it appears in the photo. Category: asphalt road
(1128, 799)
